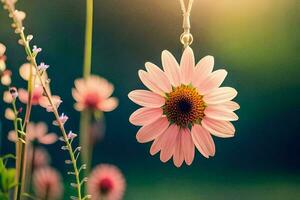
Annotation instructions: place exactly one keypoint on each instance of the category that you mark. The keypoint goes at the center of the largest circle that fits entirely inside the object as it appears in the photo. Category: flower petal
(146, 79)
(151, 131)
(49, 138)
(76, 95)
(187, 65)
(218, 128)
(188, 146)
(168, 142)
(23, 95)
(108, 104)
(159, 76)
(7, 98)
(231, 105)
(213, 81)
(146, 98)
(220, 113)
(220, 95)
(171, 68)
(144, 116)
(203, 68)
(203, 141)
(178, 156)
(12, 136)
(40, 129)
(9, 114)
(156, 145)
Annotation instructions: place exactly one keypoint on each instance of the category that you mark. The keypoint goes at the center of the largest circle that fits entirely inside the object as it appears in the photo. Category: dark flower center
(184, 106)
(105, 185)
(91, 100)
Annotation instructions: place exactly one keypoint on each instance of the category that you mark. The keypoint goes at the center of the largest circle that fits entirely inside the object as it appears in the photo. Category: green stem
(85, 116)
(88, 39)
(17, 147)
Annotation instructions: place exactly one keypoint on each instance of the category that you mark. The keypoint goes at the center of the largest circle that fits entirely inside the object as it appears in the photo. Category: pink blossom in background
(47, 184)
(37, 94)
(184, 107)
(97, 131)
(44, 102)
(41, 157)
(36, 131)
(94, 93)
(106, 182)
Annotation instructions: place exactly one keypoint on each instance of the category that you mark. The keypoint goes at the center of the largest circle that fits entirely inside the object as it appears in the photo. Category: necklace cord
(186, 37)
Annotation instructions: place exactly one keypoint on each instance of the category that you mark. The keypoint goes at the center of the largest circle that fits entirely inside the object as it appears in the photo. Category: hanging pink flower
(106, 182)
(94, 93)
(47, 183)
(184, 107)
(36, 132)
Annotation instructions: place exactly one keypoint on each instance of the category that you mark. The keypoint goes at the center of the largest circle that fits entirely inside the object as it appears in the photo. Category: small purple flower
(71, 135)
(36, 50)
(62, 119)
(42, 67)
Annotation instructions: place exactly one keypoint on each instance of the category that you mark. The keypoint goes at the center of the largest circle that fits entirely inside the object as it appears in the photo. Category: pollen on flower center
(105, 185)
(184, 106)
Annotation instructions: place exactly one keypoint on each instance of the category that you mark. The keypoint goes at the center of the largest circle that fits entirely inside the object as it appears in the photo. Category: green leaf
(3, 196)
(8, 179)
(2, 166)
(11, 178)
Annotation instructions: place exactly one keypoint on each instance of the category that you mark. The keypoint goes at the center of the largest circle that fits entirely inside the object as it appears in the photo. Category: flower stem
(85, 116)
(17, 148)
(88, 39)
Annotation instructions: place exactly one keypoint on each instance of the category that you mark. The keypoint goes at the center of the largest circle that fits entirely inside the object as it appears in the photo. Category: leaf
(11, 178)
(2, 166)
(3, 196)
(8, 179)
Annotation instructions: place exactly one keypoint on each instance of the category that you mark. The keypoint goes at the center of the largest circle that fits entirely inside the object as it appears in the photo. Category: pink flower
(62, 119)
(41, 157)
(47, 183)
(36, 132)
(37, 95)
(44, 102)
(106, 182)
(184, 107)
(2, 49)
(5, 77)
(94, 94)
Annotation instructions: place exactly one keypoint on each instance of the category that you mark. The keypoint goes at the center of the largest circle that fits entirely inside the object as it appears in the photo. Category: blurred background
(256, 41)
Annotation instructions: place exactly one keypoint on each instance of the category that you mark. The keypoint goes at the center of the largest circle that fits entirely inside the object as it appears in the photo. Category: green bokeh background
(257, 41)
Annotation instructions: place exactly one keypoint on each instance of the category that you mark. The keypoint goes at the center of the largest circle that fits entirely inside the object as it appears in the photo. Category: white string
(186, 37)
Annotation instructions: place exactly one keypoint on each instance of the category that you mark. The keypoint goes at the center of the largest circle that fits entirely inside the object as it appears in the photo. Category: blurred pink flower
(36, 132)
(2, 49)
(37, 94)
(44, 102)
(106, 182)
(41, 157)
(47, 183)
(97, 131)
(184, 107)
(94, 94)
(6, 77)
